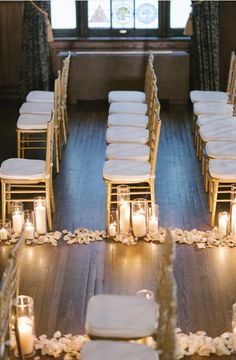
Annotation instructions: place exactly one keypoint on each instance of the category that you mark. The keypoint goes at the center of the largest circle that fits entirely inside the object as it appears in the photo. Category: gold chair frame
(44, 186)
(138, 188)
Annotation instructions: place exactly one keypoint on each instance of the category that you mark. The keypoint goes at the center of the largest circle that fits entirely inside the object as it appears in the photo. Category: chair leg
(206, 176)
(152, 190)
(108, 205)
(18, 144)
(8, 198)
(52, 197)
(57, 150)
(210, 194)
(48, 204)
(214, 202)
(64, 130)
(3, 201)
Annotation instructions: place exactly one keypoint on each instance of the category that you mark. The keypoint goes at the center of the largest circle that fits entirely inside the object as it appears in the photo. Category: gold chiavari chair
(221, 176)
(32, 129)
(134, 95)
(27, 177)
(139, 175)
(9, 290)
(64, 90)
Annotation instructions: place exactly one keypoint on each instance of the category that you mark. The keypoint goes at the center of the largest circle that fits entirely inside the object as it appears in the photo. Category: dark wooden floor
(62, 279)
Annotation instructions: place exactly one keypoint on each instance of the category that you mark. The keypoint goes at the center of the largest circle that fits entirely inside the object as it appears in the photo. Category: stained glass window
(179, 12)
(63, 14)
(99, 14)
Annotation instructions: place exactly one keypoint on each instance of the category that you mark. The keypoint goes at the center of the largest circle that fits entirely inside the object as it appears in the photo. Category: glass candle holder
(139, 217)
(113, 223)
(40, 213)
(5, 229)
(28, 228)
(123, 201)
(153, 215)
(25, 324)
(233, 210)
(224, 223)
(17, 216)
(234, 327)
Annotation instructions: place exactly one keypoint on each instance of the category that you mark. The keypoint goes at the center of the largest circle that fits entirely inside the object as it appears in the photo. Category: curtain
(35, 68)
(205, 45)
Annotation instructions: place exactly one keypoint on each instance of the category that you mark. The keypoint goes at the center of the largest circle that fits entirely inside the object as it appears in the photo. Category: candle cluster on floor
(202, 239)
(186, 344)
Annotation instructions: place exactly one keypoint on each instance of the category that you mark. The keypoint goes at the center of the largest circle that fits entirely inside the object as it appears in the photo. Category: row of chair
(132, 137)
(39, 124)
(215, 136)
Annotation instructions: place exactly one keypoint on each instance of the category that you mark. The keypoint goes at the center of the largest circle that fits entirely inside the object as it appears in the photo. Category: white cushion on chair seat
(208, 96)
(128, 108)
(40, 96)
(212, 108)
(127, 120)
(126, 134)
(22, 169)
(221, 150)
(126, 170)
(213, 119)
(36, 108)
(117, 350)
(128, 152)
(223, 169)
(33, 121)
(121, 316)
(126, 96)
(211, 133)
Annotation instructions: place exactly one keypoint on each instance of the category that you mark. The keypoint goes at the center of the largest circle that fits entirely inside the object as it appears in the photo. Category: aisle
(62, 279)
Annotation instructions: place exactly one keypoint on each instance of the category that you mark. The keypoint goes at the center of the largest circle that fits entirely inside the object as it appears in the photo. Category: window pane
(63, 14)
(179, 12)
(99, 14)
(122, 14)
(146, 14)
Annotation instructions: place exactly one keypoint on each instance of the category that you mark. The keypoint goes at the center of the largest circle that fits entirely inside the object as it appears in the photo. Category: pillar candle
(3, 234)
(139, 224)
(233, 219)
(17, 222)
(124, 217)
(28, 230)
(223, 223)
(40, 219)
(153, 225)
(112, 229)
(26, 334)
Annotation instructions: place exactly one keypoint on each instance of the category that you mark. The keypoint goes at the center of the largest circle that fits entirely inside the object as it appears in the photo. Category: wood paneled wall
(10, 44)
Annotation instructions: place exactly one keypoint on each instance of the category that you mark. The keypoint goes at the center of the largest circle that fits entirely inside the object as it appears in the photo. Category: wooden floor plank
(62, 279)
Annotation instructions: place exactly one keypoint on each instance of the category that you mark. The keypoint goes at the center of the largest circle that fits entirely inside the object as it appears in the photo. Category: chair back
(148, 75)
(57, 100)
(232, 88)
(64, 79)
(231, 71)
(154, 137)
(9, 290)
(49, 146)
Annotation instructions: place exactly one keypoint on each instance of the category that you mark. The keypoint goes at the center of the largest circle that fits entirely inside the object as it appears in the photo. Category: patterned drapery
(205, 45)
(35, 70)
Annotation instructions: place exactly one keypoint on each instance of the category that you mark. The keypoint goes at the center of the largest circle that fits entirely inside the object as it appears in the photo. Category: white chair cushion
(40, 96)
(128, 108)
(33, 121)
(22, 169)
(117, 350)
(127, 120)
(126, 134)
(128, 152)
(212, 108)
(221, 150)
(126, 170)
(121, 316)
(222, 169)
(126, 96)
(36, 108)
(208, 96)
(210, 133)
(210, 119)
